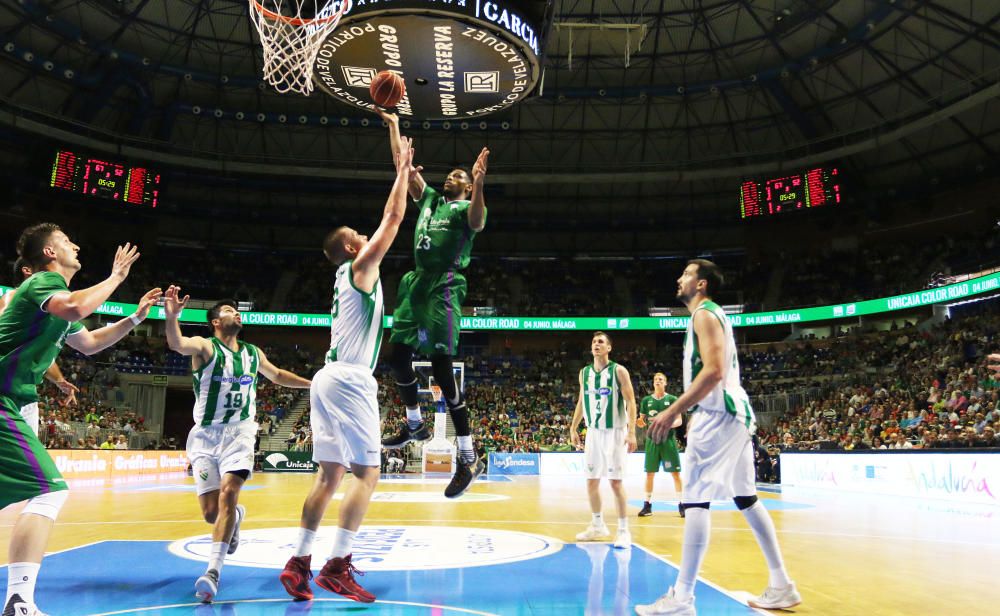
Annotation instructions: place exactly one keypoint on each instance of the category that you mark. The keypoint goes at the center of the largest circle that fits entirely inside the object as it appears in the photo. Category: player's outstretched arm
(93, 342)
(279, 376)
(55, 376)
(366, 264)
(621, 373)
(477, 208)
(416, 183)
(173, 305)
(76, 305)
(712, 345)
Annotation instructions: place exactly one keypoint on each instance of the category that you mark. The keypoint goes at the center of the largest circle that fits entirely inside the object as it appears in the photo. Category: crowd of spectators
(564, 286)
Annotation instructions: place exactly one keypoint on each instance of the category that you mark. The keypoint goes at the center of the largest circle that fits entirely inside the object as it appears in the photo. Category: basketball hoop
(436, 393)
(291, 38)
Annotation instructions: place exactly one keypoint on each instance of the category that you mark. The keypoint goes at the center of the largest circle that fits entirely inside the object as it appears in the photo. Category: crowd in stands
(550, 286)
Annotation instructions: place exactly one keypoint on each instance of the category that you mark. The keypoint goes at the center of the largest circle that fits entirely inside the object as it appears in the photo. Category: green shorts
(429, 312)
(664, 454)
(28, 469)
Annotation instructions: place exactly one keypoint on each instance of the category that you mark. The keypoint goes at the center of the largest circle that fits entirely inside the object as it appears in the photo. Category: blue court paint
(769, 504)
(123, 577)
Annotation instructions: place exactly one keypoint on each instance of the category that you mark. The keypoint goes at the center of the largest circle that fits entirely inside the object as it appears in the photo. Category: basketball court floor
(507, 547)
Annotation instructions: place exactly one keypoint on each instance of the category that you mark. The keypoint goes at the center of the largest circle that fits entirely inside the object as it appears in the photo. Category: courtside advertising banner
(113, 464)
(571, 463)
(514, 463)
(961, 477)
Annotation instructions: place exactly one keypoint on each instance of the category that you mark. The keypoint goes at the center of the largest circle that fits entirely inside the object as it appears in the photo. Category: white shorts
(218, 449)
(30, 414)
(718, 461)
(604, 453)
(344, 415)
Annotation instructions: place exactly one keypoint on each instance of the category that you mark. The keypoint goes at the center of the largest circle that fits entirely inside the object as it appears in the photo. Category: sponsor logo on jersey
(246, 379)
(383, 548)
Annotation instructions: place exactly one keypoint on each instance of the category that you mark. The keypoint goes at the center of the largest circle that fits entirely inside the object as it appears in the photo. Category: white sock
(697, 532)
(343, 541)
(649, 497)
(218, 555)
(763, 529)
(304, 546)
(465, 449)
(21, 581)
(597, 520)
(413, 417)
(622, 524)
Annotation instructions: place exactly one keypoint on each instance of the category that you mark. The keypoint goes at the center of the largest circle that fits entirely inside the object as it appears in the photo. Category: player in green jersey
(663, 454)
(220, 446)
(42, 316)
(429, 301)
(22, 271)
(719, 453)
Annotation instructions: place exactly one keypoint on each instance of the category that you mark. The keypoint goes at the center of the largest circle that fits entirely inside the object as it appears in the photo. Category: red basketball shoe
(295, 577)
(338, 576)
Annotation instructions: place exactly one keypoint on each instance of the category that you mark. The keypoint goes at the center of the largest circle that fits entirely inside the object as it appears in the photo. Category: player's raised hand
(479, 169)
(404, 158)
(148, 301)
(995, 366)
(125, 256)
(173, 304)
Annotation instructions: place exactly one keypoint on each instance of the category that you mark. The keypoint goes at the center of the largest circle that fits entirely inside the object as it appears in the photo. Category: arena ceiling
(650, 97)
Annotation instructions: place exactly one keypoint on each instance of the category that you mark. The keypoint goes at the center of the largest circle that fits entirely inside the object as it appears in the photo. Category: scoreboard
(105, 179)
(812, 188)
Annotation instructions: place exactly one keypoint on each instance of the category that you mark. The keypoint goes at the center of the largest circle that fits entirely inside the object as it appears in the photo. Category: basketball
(386, 89)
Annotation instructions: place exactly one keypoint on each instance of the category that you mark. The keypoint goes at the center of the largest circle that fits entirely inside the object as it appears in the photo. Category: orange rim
(298, 21)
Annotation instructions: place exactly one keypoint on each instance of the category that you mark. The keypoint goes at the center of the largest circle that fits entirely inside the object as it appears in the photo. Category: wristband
(135, 320)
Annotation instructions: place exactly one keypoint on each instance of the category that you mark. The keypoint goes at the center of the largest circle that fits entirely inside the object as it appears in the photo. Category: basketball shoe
(207, 586)
(18, 607)
(623, 540)
(667, 605)
(406, 435)
(465, 474)
(296, 575)
(777, 598)
(647, 509)
(338, 576)
(593, 533)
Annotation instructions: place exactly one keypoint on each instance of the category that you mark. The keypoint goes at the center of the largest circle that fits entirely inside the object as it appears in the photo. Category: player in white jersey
(719, 457)
(607, 403)
(220, 446)
(344, 397)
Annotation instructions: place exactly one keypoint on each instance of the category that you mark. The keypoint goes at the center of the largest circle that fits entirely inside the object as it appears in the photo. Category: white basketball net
(291, 32)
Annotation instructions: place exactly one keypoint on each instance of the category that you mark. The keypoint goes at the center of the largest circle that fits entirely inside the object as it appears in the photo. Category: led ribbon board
(459, 58)
(926, 297)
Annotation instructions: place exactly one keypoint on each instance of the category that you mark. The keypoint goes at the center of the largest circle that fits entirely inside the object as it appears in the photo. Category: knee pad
(685, 506)
(744, 502)
(47, 505)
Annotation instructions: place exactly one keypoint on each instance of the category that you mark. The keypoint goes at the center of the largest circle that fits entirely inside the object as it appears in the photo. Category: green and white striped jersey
(225, 389)
(603, 403)
(356, 327)
(728, 396)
